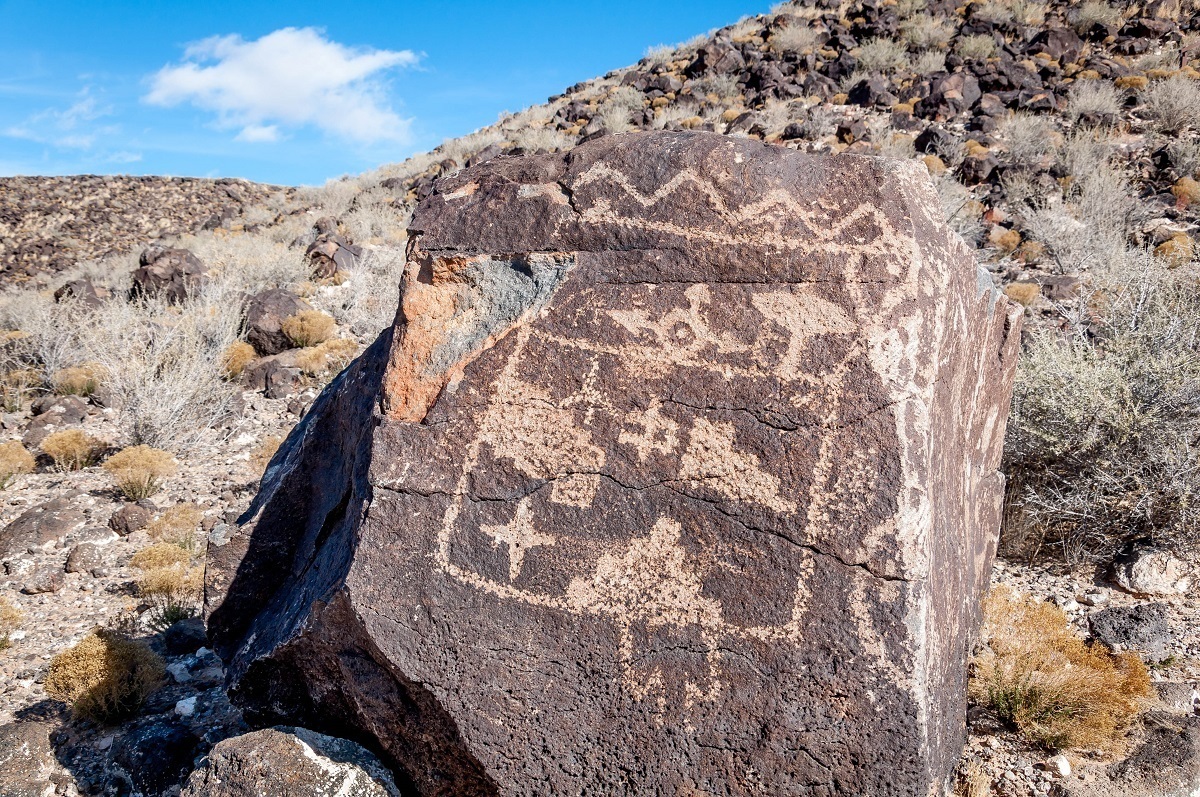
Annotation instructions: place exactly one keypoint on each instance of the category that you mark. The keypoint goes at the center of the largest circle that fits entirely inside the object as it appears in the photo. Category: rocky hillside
(49, 224)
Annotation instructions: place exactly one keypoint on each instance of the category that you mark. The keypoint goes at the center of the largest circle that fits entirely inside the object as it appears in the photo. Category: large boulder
(265, 314)
(676, 474)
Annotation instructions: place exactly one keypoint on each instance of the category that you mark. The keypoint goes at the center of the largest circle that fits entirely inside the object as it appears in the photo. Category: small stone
(83, 558)
(1059, 765)
(44, 579)
(1151, 571)
(186, 707)
(179, 671)
(130, 518)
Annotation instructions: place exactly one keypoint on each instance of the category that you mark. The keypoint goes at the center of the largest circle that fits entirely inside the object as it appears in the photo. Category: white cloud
(70, 128)
(292, 77)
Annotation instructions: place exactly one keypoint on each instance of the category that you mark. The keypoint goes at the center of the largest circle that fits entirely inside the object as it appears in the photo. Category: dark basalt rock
(265, 314)
(677, 472)
(164, 272)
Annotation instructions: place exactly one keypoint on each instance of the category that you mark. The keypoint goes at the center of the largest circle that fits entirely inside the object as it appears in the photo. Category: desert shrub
(168, 582)
(236, 357)
(77, 380)
(1023, 12)
(929, 61)
(924, 32)
(978, 47)
(309, 327)
(10, 620)
(72, 449)
(882, 55)
(539, 139)
(14, 461)
(794, 38)
(1173, 104)
(1094, 12)
(1028, 137)
(106, 677)
(1104, 429)
(1093, 98)
(17, 386)
(139, 470)
(1185, 156)
(1037, 675)
(177, 526)
(658, 54)
(327, 358)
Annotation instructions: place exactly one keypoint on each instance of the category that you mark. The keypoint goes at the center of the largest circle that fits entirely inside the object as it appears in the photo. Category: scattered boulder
(130, 518)
(278, 375)
(329, 252)
(155, 755)
(185, 636)
(83, 291)
(52, 413)
(84, 558)
(1165, 764)
(43, 525)
(625, 466)
(1145, 570)
(168, 273)
(1141, 627)
(265, 314)
(289, 762)
(43, 579)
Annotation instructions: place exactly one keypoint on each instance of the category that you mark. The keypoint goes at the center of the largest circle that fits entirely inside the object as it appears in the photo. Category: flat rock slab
(677, 474)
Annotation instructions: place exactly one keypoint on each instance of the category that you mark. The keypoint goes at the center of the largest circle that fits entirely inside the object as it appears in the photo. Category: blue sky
(297, 92)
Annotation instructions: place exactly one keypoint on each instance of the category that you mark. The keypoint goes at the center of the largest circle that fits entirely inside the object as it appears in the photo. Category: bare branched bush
(1036, 674)
(139, 470)
(882, 55)
(658, 54)
(1185, 156)
(724, 87)
(72, 449)
(1094, 99)
(14, 461)
(371, 296)
(106, 677)
(541, 139)
(1105, 422)
(1173, 104)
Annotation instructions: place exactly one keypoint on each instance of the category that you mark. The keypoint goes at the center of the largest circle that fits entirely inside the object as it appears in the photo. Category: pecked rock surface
(675, 475)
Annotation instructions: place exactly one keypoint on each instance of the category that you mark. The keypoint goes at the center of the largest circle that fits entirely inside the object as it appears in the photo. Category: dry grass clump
(1028, 137)
(14, 461)
(929, 61)
(882, 55)
(10, 619)
(160, 556)
(925, 32)
(1173, 105)
(78, 380)
(978, 47)
(177, 526)
(73, 449)
(236, 357)
(1036, 674)
(1022, 12)
(1094, 98)
(327, 358)
(139, 470)
(1104, 429)
(106, 677)
(309, 327)
(168, 582)
(1095, 12)
(793, 39)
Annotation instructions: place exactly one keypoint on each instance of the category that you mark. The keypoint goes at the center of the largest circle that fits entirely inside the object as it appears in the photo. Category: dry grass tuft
(14, 461)
(106, 677)
(236, 357)
(73, 449)
(979, 47)
(177, 526)
(1023, 293)
(261, 457)
(160, 556)
(1094, 98)
(1173, 105)
(16, 388)
(1036, 674)
(309, 327)
(139, 470)
(327, 358)
(10, 619)
(78, 380)
(882, 55)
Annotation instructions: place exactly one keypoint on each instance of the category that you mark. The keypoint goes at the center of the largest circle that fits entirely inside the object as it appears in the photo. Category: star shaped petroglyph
(519, 535)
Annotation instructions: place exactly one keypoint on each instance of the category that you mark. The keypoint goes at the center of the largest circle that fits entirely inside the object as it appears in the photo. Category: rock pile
(679, 465)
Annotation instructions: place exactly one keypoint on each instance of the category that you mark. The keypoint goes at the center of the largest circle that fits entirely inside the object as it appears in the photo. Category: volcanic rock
(677, 473)
(289, 762)
(43, 525)
(173, 274)
(265, 314)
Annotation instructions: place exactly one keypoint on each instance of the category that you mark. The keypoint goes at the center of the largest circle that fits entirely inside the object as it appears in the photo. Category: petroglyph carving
(712, 460)
(519, 535)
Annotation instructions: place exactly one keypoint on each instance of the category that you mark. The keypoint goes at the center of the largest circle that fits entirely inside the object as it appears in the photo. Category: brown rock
(43, 579)
(84, 557)
(676, 474)
(44, 525)
(265, 314)
(289, 762)
(173, 274)
(130, 518)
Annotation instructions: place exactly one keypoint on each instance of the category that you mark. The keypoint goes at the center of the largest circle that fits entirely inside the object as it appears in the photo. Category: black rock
(1142, 627)
(185, 636)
